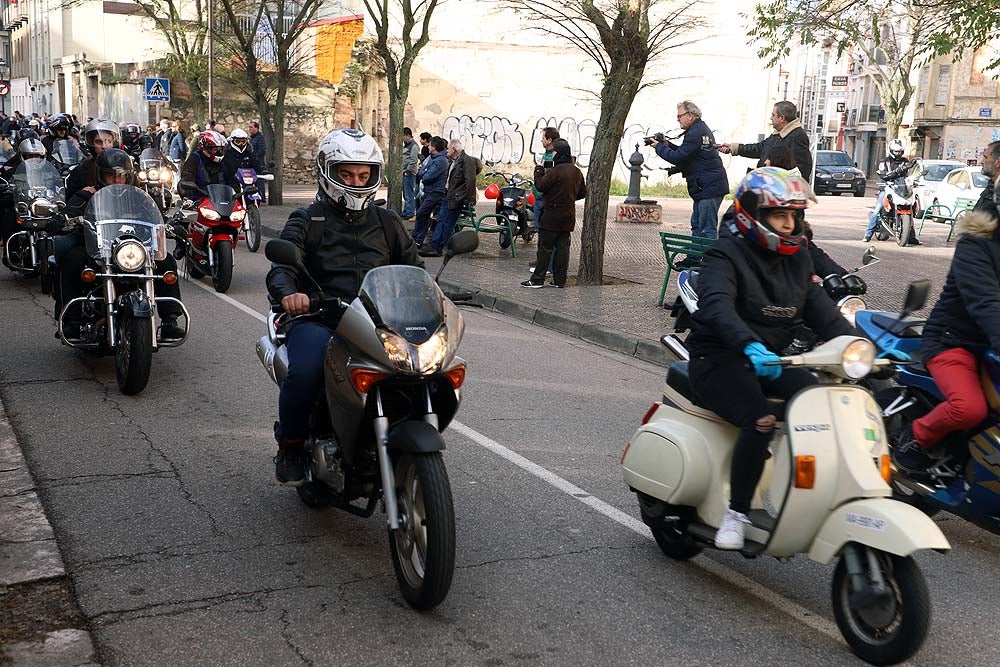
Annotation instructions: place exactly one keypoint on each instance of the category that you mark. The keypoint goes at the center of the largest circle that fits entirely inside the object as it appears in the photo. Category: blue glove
(758, 356)
(894, 355)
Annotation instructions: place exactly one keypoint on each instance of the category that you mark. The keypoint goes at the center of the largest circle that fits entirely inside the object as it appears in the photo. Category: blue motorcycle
(966, 482)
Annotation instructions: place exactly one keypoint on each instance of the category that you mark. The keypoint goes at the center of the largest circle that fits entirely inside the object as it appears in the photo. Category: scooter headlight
(425, 358)
(849, 306)
(858, 359)
(130, 256)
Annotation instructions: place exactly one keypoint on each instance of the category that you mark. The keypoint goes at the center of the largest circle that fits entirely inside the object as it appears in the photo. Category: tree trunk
(275, 189)
(394, 163)
(617, 95)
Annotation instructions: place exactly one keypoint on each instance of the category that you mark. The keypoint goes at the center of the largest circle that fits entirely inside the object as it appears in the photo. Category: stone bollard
(634, 209)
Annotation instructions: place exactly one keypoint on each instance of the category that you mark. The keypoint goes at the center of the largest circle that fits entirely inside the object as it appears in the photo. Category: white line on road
(779, 602)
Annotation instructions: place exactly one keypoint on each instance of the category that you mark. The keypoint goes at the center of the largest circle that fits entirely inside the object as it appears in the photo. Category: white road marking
(779, 602)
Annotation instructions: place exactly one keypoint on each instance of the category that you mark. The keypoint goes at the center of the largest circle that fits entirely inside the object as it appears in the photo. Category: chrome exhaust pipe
(676, 347)
(273, 358)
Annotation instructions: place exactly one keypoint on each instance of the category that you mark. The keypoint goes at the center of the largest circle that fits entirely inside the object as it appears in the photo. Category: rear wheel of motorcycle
(253, 228)
(504, 238)
(890, 630)
(423, 548)
(905, 227)
(133, 353)
(222, 272)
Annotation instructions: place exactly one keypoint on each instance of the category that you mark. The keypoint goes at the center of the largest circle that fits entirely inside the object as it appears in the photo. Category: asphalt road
(184, 551)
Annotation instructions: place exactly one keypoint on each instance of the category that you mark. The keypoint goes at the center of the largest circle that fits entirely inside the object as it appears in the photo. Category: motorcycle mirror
(462, 243)
(869, 256)
(916, 295)
(285, 252)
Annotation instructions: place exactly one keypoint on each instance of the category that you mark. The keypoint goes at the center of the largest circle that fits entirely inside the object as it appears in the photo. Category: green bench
(945, 215)
(489, 223)
(680, 244)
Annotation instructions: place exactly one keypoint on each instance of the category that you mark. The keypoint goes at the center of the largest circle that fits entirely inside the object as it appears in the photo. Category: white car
(961, 188)
(927, 176)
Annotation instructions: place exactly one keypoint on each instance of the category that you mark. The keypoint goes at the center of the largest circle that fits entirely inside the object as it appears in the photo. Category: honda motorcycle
(250, 197)
(895, 219)
(393, 385)
(39, 198)
(514, 203)
(213, 234)
(824, 492)
(156, 177)
(124, 235)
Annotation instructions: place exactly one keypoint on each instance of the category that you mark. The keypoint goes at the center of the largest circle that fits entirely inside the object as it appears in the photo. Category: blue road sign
(157, 90)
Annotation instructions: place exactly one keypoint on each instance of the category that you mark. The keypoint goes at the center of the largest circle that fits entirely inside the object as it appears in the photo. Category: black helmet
(145, 141)
(59, 122)
(112, 163)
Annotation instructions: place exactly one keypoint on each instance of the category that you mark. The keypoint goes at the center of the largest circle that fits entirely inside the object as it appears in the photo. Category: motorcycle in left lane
(39, 199)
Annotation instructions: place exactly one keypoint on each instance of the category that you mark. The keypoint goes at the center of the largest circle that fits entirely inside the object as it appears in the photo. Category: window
(943, 85)
(937, 172)
(953, 178)
(979, 179)
(925, 75)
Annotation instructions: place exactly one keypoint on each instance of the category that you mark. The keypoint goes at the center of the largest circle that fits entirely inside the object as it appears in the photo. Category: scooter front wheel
(882, 628)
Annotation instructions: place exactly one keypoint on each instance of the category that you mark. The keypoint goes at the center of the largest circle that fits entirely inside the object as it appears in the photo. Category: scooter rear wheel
(889, 630)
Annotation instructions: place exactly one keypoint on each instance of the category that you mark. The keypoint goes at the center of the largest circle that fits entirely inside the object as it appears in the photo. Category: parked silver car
(927, 177)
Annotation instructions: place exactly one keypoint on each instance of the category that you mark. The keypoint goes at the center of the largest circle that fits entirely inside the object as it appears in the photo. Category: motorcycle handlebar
(316, 305)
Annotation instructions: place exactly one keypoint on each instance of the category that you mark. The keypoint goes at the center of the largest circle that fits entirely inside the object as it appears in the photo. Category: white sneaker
(730, 533)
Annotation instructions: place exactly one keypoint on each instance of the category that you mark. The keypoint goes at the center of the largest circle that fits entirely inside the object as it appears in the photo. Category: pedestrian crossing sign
(157, 90)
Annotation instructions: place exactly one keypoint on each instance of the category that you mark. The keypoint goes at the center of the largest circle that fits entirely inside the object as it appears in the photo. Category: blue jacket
(178, 149)
(434, 173)
(699, 161)
(259, 147)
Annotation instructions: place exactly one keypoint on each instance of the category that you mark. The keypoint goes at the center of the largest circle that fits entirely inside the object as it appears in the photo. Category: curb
(613, 339)
(29, 554)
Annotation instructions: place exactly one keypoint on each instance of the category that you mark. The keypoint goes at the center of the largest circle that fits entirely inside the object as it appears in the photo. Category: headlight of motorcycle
(153, 174)
(209, 213)
(858, 359)
(142, 175)
(425, 358)
(130, 256)
(237, 216)
(849, 306)
(42, 207)
(248, 180)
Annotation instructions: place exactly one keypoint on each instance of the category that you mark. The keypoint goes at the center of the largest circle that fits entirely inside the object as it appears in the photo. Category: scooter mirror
(462, 243)
(869, 256)
(280, 251)
(916, 295)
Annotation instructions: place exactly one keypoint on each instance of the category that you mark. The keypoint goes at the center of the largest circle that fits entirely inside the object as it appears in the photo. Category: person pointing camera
(698, 160)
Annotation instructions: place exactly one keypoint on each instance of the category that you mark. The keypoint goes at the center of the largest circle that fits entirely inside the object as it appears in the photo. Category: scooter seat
(906, 328)
(679, 380)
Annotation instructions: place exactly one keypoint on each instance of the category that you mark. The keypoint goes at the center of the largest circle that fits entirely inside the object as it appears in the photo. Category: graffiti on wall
(490, 138)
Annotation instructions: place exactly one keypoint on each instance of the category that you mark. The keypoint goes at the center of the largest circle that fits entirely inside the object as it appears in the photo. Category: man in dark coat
(964, 324)
(787, 131)
(561, 185)
(459, 193)
(259, 147)
(700, 164)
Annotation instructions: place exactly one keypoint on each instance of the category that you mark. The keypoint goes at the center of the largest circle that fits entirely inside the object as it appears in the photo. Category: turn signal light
(456, 376)
(170, 278)
(885, 467)
(805, 472)
(88, 275)
(363, 379)
(649, 413)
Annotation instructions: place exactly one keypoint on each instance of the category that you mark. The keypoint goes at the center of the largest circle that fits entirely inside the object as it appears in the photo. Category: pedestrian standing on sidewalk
(549, 135)
(411, 163)
(561, 185)
(787, 132)
(258, 144)
(425, 145)
(433, 174)
(460, 193)
(700, 164)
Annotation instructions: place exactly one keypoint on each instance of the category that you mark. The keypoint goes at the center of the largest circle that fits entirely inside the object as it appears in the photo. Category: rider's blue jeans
(306, 343)
(873, 215)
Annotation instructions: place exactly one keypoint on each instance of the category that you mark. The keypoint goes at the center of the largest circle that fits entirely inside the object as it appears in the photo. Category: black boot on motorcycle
(170, 330)
(290, 462)
(913, 458)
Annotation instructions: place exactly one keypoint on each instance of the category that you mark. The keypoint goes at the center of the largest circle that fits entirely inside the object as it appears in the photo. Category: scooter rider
(892, 167)
(342, 236)
(964, 323)
(754, 286)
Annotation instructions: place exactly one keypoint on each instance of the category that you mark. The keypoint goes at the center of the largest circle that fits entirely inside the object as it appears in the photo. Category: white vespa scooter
(824, 492)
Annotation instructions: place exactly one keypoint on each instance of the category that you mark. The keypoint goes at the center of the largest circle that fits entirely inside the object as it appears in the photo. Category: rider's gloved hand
(760, 355)
(894, 355)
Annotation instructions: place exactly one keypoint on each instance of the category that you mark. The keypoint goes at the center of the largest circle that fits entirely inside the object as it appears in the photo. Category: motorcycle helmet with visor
(349, 168)
(761, 191)
(114, 166)
(239, 140)
(212, 145)
(29, 148)
(59, 122)
(895, 149)
(102, 134)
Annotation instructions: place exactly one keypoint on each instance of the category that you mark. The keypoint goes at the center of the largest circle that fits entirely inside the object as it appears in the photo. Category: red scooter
(213, 234)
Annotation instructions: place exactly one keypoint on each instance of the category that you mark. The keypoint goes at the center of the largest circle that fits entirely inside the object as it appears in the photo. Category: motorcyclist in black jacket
(342, 236)
(58, 129)
(755, 287)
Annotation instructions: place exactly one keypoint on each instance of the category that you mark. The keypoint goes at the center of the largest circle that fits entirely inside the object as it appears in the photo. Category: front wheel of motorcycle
(904, 225)
(253, 228)
(423, 548)
(222, 272)
(133, 353)
(883, 628)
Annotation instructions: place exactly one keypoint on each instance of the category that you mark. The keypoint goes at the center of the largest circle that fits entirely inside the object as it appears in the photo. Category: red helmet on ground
(212, 145)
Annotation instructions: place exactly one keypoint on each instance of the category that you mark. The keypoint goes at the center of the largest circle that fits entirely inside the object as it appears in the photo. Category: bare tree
(395, 23)
(891, 38)
(622, 37)
(264, 45)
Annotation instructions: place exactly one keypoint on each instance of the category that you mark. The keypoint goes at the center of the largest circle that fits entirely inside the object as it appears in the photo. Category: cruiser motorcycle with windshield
(125, 236)
(39, 198)
(156, 176)
(65, 155)
(392, 386)
(213, 234)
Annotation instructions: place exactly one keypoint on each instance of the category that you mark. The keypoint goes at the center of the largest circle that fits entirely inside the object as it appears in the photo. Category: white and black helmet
(29, 148)
(895, 149)
(239, 140)
(105, 129)
(348, 147)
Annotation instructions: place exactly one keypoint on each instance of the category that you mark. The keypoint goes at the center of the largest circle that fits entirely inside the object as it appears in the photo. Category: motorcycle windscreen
(67, 152)
(222, 197)
(405, 300)
(122, 210)
(36, 178)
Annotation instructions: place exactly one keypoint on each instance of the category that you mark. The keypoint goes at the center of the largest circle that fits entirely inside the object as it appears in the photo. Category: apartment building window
(925, 75)
(943, 84)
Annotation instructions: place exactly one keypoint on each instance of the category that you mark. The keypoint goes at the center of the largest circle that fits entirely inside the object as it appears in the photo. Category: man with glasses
(699, 162)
